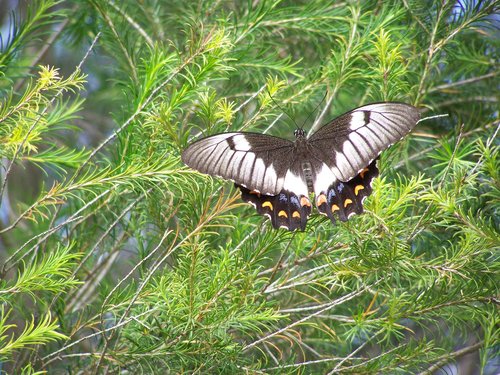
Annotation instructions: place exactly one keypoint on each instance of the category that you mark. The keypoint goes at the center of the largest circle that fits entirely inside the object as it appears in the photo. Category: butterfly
(337, 163)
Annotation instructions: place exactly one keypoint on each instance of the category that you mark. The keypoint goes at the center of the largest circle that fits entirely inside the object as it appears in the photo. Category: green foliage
(151, 267)
(22, 33)
(44, 331)
(28, 120)
(52, 274)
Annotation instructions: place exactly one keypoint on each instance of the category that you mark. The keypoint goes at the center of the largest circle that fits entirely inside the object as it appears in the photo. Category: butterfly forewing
(257, 161)
(350, 142)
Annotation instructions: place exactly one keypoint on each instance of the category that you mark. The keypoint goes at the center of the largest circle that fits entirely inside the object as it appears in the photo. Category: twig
(278, 264)
(337, 369)
(445, 359)
(476, 166)
(47, 233)
(306, 363)
(430, 54)
(463, 82)
(138, 292)
(100, 332)
(134, 24)
(45, 48)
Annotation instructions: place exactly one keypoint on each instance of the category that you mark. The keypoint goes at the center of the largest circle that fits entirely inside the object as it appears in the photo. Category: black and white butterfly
(337, 163)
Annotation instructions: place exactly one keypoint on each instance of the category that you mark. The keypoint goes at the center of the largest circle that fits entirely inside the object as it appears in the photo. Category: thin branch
(119, 41)
(479, 162)
(44, 235)
(415, 230)
(306, 363)
(430, 53)
(447, 358)
(98, 333)
(426, 150)
(339, 370)
(463, 82)
(133, 23)
(144, 282)
(278, 263)
(98, 243)
(347, 56)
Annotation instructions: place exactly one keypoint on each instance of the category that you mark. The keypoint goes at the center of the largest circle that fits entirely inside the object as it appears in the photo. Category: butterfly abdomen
(308, 176)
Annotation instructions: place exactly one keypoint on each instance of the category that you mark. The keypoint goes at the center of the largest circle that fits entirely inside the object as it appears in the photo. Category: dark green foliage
(116, 257)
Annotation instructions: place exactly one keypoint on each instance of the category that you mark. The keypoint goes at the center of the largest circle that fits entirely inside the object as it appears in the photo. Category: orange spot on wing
(347, 202)
(358, 188)
(335, 208)
(362, 173)
(268, 204)
(296, 214)
(321, 199)
(305, 202)
(282, 213)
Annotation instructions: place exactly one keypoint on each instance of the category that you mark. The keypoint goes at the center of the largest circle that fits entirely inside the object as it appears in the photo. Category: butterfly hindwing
(257, 161)
(343, 199)
(286, 209)
(351, 141)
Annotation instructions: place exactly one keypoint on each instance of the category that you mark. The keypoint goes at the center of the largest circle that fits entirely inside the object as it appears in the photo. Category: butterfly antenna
(315, 109)
(282, 110)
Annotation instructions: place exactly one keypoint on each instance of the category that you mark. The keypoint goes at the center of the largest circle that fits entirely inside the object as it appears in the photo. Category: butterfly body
(337, 163)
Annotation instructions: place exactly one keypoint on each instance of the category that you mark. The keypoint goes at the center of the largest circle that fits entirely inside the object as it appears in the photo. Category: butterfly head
(299, 133)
